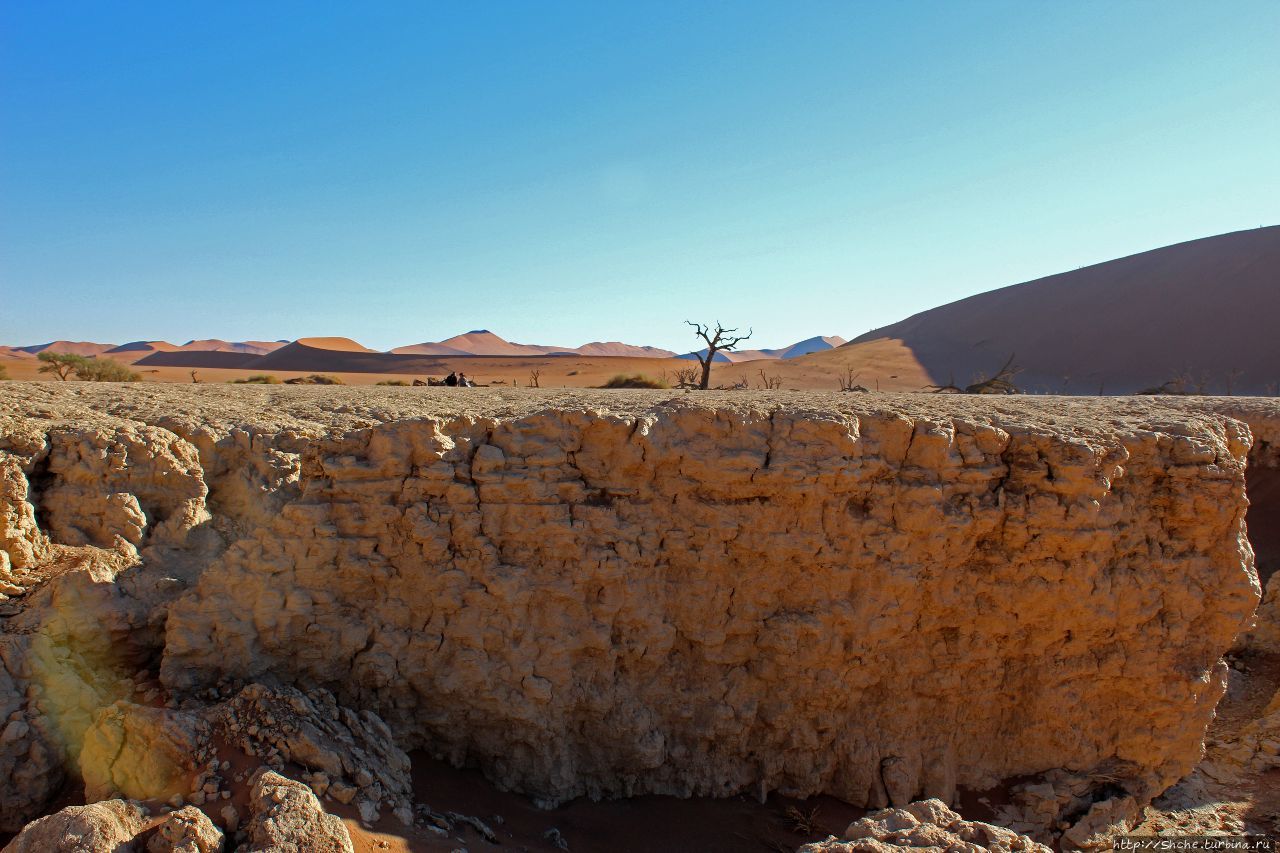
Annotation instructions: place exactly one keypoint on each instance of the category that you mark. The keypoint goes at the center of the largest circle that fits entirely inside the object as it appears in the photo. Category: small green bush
(258, 379)
(635, 380)
(105, 370)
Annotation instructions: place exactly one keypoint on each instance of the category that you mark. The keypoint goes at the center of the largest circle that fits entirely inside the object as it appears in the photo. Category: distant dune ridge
(484, 342)
(805, 347)
(1206, 310)
(1196, 316)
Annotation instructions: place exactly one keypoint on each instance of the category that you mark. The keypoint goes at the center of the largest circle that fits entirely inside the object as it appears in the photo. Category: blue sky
(568, 172)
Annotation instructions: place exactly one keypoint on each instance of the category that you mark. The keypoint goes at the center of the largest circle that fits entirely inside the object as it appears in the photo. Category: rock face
(107, 826)
(143, 753)
(613, 594)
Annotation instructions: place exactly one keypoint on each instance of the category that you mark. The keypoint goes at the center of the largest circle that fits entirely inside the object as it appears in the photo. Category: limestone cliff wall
(879, 597)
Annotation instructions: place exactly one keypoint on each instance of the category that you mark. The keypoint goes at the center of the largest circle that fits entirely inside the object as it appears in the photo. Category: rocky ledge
(880, 597)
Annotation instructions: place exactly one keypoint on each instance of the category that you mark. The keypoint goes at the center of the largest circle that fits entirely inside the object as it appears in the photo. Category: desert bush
(399, 383)
(4, 372)
(635, 380)
(315, 379)
(258, 379)
(60, 364)
(105, 370)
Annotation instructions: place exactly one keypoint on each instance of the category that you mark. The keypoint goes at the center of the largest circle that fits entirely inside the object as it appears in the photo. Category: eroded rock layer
(880, 597)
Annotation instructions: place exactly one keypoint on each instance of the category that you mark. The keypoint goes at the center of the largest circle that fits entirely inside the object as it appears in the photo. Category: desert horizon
(1066, 334)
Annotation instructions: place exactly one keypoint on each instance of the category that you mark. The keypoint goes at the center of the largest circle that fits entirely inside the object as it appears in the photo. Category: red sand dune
(484, 342)
(217, 345)
(1206, 309)
(617, 349)
(143, 346)
(86, 348)
(332, 344)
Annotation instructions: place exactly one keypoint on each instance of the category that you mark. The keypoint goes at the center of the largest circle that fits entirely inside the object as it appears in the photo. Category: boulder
(106, 827)
(286, 817)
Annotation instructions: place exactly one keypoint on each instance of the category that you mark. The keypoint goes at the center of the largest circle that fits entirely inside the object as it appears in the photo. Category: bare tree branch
(720, 340)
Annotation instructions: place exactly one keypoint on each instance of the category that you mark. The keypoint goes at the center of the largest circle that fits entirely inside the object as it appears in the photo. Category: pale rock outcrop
(286, 817)
(107, 827)
(62, 658)
(695, 600)
(927, 824)
(187, 830)
(109, 484)
(143, 753)
(22, 544)
(615, 593)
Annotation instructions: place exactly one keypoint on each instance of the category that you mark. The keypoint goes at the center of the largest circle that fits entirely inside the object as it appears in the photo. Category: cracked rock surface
(617, 593)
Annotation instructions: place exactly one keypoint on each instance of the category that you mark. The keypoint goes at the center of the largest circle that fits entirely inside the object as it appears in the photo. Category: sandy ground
(886, 366)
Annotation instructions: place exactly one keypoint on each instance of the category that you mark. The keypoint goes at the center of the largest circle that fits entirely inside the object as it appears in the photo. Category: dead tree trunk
(721, 339)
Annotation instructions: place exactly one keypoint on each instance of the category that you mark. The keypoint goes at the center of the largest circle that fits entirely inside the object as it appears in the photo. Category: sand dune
(331, 344)
(143, 346)
(809, 345)
(1205, 309)
(216, 345)
(428, 348)
(616, 348)
(484, 342)
(86, 348)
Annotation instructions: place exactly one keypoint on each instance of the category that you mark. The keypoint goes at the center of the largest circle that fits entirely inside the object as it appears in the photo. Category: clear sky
(560, 173)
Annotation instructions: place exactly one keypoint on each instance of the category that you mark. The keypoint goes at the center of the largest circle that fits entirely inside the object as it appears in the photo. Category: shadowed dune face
(1206, 308)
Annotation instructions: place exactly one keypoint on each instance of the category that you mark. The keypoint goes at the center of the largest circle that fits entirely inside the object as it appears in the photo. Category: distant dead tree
(1233, 376)
(195, 380)
(687, 377)
(1000, 383)
(534, 376)
(848, 382)
(769, 383)
(1184, 383)
(720, 340)
(1173, 386)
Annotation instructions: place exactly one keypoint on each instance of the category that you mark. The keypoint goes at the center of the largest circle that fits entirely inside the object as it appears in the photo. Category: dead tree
(195, 380)
(1000, 383)
(1233, 376)
(534, 376)
(721, 340)
(769, 383)
(848, 383)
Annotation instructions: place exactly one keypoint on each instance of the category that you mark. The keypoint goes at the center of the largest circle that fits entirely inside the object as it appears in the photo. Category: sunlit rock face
(880, 597)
